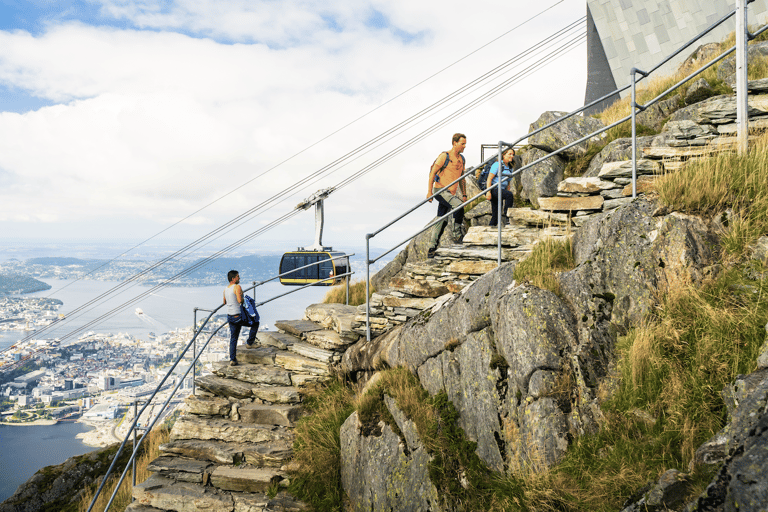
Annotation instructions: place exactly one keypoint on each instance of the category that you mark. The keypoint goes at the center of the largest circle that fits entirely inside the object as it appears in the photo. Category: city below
(96, 379)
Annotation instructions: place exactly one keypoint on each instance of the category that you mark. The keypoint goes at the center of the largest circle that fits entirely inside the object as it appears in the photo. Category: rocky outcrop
(61, 486)
(381, 471)
(563, 133)
(521, 364)
(541, 179)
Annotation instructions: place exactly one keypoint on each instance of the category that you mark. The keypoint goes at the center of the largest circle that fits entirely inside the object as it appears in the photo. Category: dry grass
(317, 446)
(123, 497)
(734, 185)
(548, 258)
(338, 294)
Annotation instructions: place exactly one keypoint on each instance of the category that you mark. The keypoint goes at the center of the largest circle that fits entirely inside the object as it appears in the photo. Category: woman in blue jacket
(506, 184)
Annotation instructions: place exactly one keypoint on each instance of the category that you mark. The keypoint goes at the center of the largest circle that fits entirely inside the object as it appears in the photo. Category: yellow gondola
(325, 268)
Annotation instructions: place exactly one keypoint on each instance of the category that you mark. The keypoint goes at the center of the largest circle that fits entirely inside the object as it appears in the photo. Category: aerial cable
(345, 182)
(183, 273)
(322, 170)
(316, 176)
(313, 144)
(466, 108)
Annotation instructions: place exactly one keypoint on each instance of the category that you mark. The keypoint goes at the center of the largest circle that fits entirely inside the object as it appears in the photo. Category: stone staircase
(229, 449)
(428, 284)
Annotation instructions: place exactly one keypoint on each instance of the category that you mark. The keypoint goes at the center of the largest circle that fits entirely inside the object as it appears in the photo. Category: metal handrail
(196, 332)
(631, 117)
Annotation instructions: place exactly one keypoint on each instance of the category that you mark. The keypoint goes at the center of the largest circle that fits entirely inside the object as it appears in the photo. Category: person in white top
(233, 298)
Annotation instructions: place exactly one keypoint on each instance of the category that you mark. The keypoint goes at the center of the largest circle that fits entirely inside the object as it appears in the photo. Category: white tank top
(233, 307)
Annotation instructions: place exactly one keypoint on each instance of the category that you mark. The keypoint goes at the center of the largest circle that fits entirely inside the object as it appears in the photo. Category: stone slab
(181, 469)
(209, 406)
(297, 327)
(215, 429)
(243, 479)
(165, 494)
(571, 203)
(277, 394)
(254, 373)
(285, 415)
(276, 339)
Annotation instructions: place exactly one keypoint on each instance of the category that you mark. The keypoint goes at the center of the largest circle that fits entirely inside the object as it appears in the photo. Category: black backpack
(483, 179)
(445, 164)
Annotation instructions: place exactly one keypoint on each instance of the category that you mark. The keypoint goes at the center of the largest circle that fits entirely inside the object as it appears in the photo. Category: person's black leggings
(507, 199)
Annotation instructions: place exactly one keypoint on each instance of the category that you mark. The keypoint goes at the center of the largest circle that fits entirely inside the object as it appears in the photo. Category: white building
(626, 34)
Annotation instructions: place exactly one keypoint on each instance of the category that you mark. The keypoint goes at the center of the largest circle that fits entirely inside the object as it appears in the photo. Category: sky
(121, 120)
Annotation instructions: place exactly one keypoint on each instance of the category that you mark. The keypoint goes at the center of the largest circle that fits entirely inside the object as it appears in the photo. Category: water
(24, 450)
(163, 310)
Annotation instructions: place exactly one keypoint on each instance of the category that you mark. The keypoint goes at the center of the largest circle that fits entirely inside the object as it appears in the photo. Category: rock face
(381, 471)
(542, 179)
(521, 364)
(562, 134)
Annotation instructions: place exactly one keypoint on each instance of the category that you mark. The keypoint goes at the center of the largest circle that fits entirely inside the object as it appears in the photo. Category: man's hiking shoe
(431, 252)
(233, 363)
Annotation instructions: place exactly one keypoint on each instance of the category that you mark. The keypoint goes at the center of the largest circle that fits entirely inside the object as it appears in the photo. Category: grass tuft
(150, 451)
(338, 294)
(548, 258)
(317, 446)
(728, 183)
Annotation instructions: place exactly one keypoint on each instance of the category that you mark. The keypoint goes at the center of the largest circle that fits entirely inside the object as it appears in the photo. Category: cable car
(329, 263)
(326, 267)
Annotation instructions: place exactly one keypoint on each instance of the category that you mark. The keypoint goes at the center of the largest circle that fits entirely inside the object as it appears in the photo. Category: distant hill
(15, 284)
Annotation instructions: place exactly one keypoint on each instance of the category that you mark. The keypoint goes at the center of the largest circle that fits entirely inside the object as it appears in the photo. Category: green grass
(548, 258)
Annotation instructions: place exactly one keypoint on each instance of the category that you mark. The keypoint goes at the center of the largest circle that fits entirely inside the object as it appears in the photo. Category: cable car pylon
(321, 262)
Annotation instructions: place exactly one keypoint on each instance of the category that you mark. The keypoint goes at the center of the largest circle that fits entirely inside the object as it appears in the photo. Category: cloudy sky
(120, 118)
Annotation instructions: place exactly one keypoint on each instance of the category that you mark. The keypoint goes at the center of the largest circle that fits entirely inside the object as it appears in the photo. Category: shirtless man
(447, 197)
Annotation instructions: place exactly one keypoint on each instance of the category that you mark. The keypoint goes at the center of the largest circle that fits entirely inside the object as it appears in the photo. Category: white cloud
(152, 125)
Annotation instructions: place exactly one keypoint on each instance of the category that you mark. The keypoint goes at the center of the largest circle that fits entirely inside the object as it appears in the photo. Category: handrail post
(194, 351)
(742, 100)
(367, 287)
(135, 415)
(499, 215)
(633, 73)
(347, 279)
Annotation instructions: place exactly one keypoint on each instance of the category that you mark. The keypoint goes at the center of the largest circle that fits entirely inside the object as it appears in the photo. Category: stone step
(258, 354)
(207, 405)
(264, 414)
(279, 394)
(513, 235)
(338, 317)
(166, 494)
(298, 363)
(220, 429)
(297, 327)
(327, 339)
(315, 352)
(483, 253)
(423, 288)
(163, 494)
(530, 217)
(182, 469)
(281, 340)
(247, 478)
(137, 507)
(276, 375)
(274, 454)
(230, 387)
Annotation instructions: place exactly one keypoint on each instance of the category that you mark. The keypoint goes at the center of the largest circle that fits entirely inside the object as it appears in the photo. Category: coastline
(100, 437)
(30, 423)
